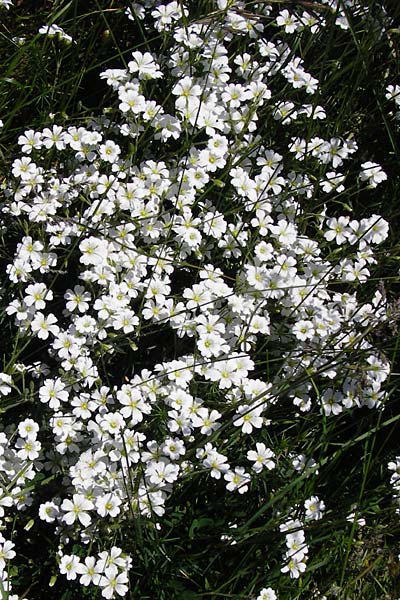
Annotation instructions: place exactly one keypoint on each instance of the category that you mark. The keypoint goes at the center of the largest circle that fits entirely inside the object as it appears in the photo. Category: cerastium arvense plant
(194, 386)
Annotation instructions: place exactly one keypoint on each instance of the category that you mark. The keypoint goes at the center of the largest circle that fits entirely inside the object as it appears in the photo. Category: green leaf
(200, 524)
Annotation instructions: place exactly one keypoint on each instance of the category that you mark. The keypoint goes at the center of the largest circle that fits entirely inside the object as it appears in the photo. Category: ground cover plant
(199, 299)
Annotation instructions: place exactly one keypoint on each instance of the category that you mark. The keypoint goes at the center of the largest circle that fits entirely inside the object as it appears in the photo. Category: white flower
(112, 558)
(303, 330)
(43, 326)
(37, 294)
(145, 65)
(267, 594)
(24, 168)
(48, 511)
(372, 173)
(113, 583)
(237, 480)
(54, 137)
(295, 542)
(289, 22)
(376, 230)
(378, 369)
(54, 30)
(217, 463)
(151, 503)
(90, 571)
(77, 298)
(5, 501)
(76, 509)
(5, 384)
(109, 504)
(285, 232)
(28, 428)
(160, 472)
(361, 522)
(262, 457)
(109, 151)
(249, 418)
(330, 402)
(173, 448)
(294, 567)
(395, 467)
(53, 392)
(338, 230)
(131, 100)
(206, 420)
(314, 508)
(186, 88)
(211, 344)
(333, 182)
(28, 449)
(93, 251)
(69, 566)
(30, 140)
(6, 553)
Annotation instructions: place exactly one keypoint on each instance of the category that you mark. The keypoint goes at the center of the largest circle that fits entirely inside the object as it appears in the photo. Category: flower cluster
(108, 571)
(394, 466)
(182, 225)
(296, 554)
(20, 453)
